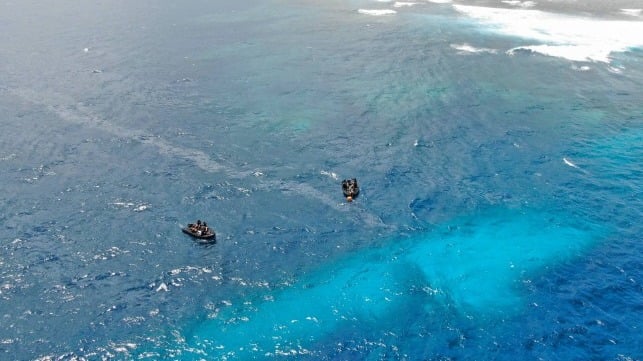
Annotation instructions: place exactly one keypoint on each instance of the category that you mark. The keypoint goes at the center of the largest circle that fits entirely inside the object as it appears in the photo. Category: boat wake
(81, 114)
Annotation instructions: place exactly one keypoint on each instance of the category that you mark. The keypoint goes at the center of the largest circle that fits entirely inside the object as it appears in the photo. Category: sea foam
(631, 12)
(466, 48)
(376, 12)
(570, 37)
(522, 4)
(399, 4)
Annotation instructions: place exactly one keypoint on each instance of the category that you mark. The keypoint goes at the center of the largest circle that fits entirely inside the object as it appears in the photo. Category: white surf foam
(522, 4)
(574, 53)
(141, 208)
(122, 204)
(330, 174)
(466, 48)
(631, 12)
(569, 163)
(573, 165)
(400, 4)
(440, 1)
(581, 68)
(162, 287)
(565, 36)
(377, 12)
(614, 70)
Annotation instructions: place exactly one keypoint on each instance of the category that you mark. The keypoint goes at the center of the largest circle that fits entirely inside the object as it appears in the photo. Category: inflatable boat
(209, 236)
(350, 188)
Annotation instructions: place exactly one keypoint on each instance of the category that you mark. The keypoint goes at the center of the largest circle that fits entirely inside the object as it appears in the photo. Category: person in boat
(350, 188)
(194, 227)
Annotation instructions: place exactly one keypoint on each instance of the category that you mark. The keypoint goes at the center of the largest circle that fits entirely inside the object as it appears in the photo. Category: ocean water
(498, 145)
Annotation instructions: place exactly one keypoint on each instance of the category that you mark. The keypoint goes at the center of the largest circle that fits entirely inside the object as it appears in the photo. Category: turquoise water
(497, 147)
(474, 268)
